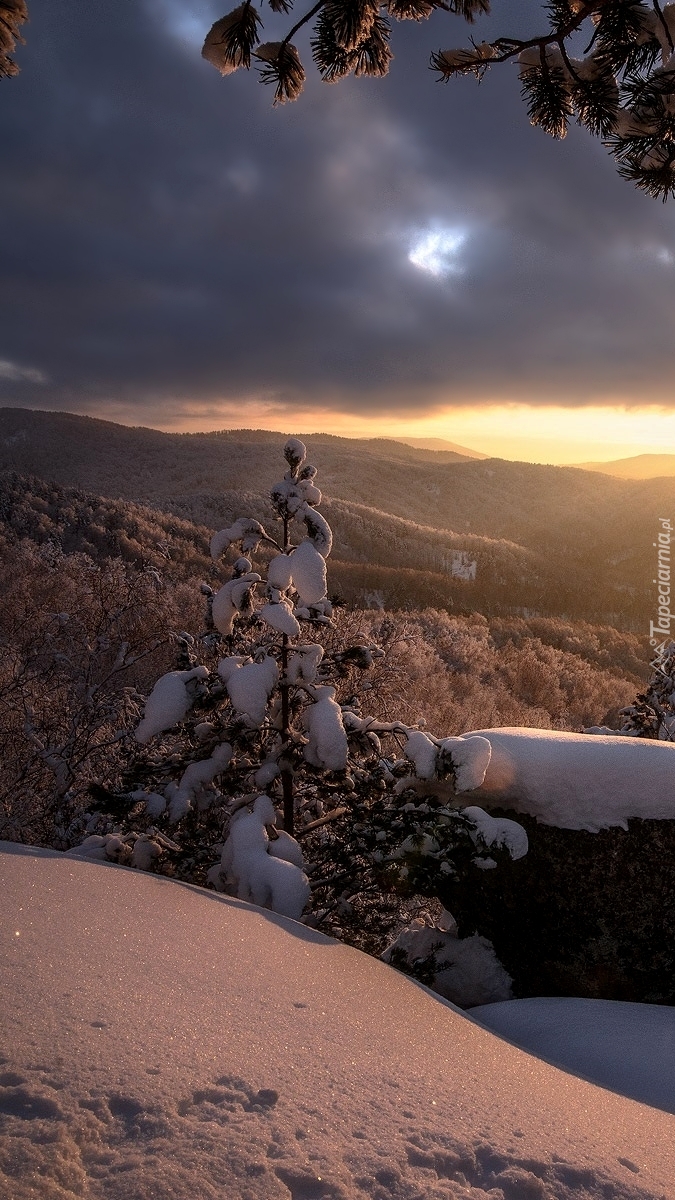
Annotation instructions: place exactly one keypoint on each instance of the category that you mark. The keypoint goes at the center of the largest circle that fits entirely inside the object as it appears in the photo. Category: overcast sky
(174, 251)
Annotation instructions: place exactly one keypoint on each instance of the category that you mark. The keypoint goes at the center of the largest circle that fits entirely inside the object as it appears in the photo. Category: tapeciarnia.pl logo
(662, 625)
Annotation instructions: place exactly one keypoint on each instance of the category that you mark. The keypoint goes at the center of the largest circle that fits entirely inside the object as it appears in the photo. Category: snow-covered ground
(160, 1041)
(627, 1047)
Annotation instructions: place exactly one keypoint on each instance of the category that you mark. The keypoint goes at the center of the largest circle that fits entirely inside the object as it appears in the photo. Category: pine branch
(13, 14)
(230, 41)
(283, 69)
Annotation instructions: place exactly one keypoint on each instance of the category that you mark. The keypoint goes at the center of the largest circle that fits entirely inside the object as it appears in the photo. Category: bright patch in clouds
(188, 22)
(435, 251)
(15, 373)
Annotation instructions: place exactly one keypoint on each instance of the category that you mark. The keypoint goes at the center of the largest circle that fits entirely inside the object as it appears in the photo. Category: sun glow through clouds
(435, 252)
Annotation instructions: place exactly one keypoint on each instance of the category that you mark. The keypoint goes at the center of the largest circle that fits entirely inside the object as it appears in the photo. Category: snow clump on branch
(249, 685)
(169, 701)
(250, 868)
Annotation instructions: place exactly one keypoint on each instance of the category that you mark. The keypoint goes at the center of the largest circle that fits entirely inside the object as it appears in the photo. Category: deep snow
(627, 1047)
(160, 1041)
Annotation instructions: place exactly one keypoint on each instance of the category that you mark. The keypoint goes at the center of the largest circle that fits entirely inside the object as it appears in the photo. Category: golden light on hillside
(531, 433)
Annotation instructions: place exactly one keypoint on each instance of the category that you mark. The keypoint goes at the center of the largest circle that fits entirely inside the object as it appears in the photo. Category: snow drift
(627, 1047)
(161, 1041)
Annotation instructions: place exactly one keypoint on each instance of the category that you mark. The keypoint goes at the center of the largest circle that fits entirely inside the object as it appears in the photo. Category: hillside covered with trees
(498, 537)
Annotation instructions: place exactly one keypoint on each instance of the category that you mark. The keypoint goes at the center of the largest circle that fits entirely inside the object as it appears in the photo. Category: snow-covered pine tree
(273, 715)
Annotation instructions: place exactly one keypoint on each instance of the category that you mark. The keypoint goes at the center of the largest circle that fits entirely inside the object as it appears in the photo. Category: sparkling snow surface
(162, 1042)
(578, 780)
(627, 1047)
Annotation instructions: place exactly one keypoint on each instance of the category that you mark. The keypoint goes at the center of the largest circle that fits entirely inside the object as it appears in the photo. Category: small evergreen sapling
(275, 718)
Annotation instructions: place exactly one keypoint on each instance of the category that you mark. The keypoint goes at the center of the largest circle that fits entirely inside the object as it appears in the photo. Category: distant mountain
(439, 446)
(641, 466)
(487, 535)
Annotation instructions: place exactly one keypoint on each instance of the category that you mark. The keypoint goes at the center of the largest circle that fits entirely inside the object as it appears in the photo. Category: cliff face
(582, 914)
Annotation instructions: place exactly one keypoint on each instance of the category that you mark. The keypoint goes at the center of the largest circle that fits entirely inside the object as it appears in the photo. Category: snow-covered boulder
(589, 910)
(577, 781)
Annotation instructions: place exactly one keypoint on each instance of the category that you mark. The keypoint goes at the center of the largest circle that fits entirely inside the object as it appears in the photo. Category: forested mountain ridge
(76, 522)
(494, 535)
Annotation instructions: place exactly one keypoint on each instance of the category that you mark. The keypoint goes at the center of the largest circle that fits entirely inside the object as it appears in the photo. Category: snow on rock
(327, 746)
(195, 779)
(249, 685)
(499, 832)
(574, 781)
(280, 617)
(231, 599)
(303, 664)
(271, 881)
(279, 572)
(470, 759)
(195, 1046)
(421, 751)
(244, 530)
(468, 971)
(629, 1048)
(168, 702)
(309, 573)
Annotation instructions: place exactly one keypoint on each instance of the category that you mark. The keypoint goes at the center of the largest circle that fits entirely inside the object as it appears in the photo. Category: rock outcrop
(582, 914)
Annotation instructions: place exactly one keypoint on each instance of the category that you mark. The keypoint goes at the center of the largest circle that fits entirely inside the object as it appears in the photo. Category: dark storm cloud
(169, 238)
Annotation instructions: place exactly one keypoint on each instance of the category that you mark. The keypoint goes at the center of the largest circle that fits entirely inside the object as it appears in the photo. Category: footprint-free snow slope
(627, 1047)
